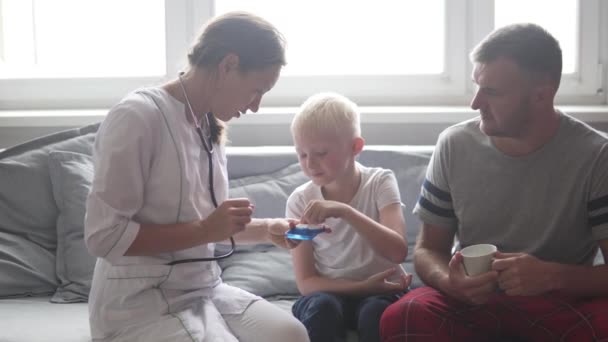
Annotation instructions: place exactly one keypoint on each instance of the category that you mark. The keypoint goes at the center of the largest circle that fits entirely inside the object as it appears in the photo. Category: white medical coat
(150, 167)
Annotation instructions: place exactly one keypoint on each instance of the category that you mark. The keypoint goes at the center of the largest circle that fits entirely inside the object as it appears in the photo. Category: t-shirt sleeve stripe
(598, 211)
(426, 204)
(598, 203)
(440, 194)
(598, 220)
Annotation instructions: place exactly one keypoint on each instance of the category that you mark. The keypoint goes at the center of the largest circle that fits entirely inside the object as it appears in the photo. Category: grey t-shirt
(552, 203)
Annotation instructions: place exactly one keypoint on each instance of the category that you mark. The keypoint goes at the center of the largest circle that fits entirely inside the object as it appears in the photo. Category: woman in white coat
(159, 199)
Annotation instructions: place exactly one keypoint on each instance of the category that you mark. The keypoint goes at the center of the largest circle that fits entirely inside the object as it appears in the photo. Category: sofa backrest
(43, 254)
(407, 162)
(268, 175)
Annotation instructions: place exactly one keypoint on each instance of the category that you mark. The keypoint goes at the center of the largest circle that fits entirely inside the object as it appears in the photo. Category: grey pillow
(27, 208)
(410, 170)
(264, 273)
(269, 192)
(71, 177)
(28, 213)
(263, 269)
(26, 268)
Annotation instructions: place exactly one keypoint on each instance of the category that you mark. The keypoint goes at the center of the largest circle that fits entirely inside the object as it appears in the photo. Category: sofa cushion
(71, 177)
(409, 165)
(264, 272)
(269, 192)
(37, 320)
(28, 211)
(26, 269)
(263, 269)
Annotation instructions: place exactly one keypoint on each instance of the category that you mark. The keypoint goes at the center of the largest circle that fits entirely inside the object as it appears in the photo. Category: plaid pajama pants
(425, 314)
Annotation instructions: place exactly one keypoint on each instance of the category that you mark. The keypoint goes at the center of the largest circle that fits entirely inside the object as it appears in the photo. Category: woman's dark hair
(256, 42)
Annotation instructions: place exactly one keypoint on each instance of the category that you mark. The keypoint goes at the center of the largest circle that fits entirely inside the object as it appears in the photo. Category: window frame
(453, 87)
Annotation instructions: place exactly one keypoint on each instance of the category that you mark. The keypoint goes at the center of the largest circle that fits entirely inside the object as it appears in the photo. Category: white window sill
(283, 115)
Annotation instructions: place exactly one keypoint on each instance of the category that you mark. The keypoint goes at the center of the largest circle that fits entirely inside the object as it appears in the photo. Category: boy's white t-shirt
(344, 253)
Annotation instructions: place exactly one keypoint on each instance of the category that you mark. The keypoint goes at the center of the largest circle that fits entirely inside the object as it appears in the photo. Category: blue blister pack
(303, 232)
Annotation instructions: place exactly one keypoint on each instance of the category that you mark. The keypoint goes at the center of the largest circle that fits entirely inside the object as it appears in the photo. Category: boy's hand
(276, 232)
(378, 283)
(317, 211)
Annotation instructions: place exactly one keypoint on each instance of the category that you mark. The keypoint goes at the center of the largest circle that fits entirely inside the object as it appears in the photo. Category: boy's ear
(358, 144)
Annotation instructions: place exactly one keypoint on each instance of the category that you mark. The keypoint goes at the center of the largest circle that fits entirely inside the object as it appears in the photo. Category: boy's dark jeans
(327, 316)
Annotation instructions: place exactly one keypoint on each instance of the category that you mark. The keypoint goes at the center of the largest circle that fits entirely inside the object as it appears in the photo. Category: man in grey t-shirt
(527, 178)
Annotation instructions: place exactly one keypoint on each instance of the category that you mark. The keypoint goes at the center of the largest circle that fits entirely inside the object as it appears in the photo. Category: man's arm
(595, 277)
(438, 269)
(432, 255)
(524, 275)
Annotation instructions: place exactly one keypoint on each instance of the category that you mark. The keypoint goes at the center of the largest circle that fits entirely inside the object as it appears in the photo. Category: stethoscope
(208, 146)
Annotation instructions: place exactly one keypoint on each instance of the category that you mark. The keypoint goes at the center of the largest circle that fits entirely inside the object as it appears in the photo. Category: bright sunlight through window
(346, 37)
(560, 22)
(74, 38)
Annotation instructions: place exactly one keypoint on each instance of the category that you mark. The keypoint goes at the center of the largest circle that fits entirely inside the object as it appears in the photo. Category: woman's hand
(228, 219)
(276, 229)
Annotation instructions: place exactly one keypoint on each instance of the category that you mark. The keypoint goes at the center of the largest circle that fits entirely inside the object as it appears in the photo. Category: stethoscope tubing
(208, 146)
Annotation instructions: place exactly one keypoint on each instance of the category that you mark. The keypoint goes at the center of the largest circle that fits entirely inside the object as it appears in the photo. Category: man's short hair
(530, 46)
(327, 113)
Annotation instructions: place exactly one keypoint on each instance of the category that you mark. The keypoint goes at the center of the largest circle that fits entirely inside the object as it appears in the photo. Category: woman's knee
(264, 321)
(290, 330)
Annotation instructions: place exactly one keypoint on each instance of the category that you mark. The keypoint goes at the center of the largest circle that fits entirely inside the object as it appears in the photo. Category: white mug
(477, 259)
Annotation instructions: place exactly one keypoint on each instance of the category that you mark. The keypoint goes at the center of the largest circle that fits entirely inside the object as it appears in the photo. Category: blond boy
(348, 277)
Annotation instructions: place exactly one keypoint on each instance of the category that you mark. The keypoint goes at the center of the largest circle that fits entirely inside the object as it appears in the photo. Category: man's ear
(358, 144)
(543, 96)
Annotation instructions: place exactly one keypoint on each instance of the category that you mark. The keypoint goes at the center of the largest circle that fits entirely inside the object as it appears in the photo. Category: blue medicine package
(304, 232)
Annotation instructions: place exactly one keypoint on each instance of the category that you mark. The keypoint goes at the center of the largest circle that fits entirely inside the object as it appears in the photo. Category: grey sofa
(45, 271)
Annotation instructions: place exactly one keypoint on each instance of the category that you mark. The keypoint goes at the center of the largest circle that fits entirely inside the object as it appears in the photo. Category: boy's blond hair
(327, 113)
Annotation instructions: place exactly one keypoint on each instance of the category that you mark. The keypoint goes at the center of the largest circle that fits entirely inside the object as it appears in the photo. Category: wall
(380, 127)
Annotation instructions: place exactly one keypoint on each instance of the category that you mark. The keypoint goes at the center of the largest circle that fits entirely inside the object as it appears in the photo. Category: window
(576, 25)
(374, 53)
(40, 41)
(88, 54)
(79, 54)
(344, 39)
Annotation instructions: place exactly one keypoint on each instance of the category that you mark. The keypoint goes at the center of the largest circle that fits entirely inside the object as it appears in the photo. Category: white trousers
(260, 322)
(264, 321)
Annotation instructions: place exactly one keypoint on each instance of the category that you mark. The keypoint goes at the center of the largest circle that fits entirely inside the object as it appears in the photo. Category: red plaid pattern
(425, 314)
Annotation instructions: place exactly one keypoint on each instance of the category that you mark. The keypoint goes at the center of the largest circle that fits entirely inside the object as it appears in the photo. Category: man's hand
(317, 211)
(521, 274)
(276, 229)
(473, 290)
